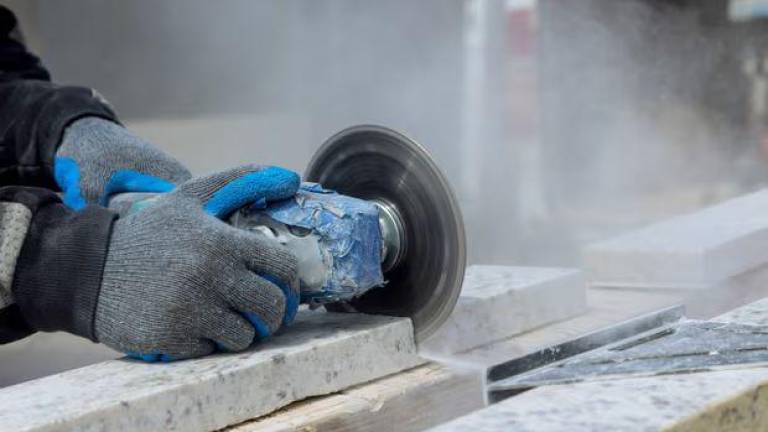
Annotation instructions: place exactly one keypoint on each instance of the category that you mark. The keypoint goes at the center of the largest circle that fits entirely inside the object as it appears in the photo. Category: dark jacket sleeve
(60, 264)
(62, 255)
(34, 112)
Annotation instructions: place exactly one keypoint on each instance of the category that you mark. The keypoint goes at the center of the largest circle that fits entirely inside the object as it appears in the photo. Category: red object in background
(764, 144)
(522, 32)
(522, 87)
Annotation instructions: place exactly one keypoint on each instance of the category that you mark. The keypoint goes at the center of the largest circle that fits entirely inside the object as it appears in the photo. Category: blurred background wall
(558, 122)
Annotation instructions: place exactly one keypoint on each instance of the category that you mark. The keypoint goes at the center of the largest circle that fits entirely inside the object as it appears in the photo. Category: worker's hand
(179, 282)
(98, 158)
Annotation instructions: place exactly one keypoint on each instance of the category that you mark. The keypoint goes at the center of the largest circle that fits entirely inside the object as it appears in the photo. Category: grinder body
(342, 243)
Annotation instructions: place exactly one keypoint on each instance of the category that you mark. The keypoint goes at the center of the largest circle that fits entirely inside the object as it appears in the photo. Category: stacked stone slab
(497, 302)
(323, 353)
(718, 256)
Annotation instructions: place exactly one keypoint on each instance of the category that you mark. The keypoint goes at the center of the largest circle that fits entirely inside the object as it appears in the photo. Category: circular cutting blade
(376, 163)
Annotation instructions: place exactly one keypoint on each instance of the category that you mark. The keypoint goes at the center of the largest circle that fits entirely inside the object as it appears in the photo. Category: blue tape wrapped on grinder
(336, 238)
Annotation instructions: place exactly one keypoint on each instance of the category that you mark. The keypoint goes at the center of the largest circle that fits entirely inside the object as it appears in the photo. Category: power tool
(375, 227)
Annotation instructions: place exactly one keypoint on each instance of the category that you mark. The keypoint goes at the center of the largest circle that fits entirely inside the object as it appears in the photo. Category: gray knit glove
(98, 158)
(179, 282)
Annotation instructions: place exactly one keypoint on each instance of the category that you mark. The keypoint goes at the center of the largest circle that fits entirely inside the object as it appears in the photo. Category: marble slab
(497, 302)
(322, 353)
(719, 400)
(692, 251)
(413, 400)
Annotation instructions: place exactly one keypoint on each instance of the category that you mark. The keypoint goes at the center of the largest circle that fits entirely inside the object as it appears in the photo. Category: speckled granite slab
(322, 353)
(691, 251)
(722, 400)
(497, 302)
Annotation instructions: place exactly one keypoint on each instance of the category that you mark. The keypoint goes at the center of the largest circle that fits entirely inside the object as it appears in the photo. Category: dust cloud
(643, 115)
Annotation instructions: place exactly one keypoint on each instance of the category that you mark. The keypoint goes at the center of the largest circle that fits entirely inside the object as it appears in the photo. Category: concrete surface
(697, 250)
(322, 353)
(497, 302)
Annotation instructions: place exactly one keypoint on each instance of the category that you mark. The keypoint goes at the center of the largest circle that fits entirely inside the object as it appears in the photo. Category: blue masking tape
(348, 229)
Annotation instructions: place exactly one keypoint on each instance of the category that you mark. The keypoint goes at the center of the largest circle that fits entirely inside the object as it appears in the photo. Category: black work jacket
(33, 115)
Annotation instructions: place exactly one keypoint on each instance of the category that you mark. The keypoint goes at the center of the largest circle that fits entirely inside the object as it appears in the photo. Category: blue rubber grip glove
(179, 282)
(98, 158)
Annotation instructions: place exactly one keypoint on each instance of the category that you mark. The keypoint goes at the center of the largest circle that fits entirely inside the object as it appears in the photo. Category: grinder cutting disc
(379, 164)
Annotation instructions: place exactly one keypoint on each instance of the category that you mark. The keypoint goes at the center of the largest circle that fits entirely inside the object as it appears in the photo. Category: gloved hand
(98, 158)
(179, 282)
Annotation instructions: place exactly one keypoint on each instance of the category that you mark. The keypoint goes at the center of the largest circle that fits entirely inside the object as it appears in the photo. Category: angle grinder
(375, 227)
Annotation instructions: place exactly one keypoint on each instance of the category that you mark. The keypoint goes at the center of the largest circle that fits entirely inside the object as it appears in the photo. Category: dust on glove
(98, 158)
(179, 282)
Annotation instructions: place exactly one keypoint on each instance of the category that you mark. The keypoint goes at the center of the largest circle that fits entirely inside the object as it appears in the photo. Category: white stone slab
(691, 251)
(322, 353)
(755, 313)
(497, 302)
(413, 400)
(721, 400)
